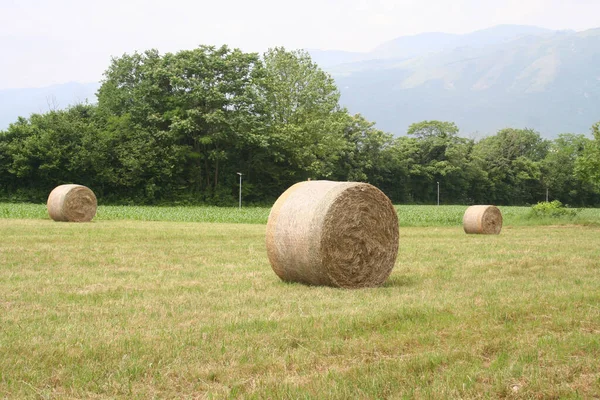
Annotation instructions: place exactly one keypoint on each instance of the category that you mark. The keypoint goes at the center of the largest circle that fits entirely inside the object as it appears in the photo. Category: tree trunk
(206, 168)
(216, 173)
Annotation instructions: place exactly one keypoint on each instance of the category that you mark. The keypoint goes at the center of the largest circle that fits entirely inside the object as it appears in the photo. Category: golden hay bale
(342, 234)
(482, 219)
(72, 203)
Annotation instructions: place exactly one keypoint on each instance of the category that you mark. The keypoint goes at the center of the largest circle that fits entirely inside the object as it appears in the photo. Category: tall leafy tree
(512, 159)
(365, 156)
(558, 171)
(136, 164)
(202, 103)
(399, 186)
(220, 111)
(304, 120)
(49, 149)
(587, 165)
(439, 155)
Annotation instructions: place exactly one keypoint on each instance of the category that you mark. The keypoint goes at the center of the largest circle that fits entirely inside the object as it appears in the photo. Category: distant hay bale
(341, 234)
(482, 220)
(72, 203)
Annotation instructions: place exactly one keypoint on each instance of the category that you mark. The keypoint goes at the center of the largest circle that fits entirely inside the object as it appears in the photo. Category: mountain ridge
(547, 80)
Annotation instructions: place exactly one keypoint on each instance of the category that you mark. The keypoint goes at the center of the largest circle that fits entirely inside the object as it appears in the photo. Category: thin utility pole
(240, 174)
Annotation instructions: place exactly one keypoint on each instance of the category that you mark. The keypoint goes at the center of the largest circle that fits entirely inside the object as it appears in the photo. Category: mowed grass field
(146, 307)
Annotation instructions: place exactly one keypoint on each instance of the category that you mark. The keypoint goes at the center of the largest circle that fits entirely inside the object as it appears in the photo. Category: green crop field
(167, 302)
(408, 215)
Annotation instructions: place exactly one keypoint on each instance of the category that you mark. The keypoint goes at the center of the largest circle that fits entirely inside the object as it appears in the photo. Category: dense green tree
(437, 131)
(558, 171)
(304, 120)
(587, 166)
(276, 119)
(137, 164)
(203, 104)
(365, 154)
(178, 127)
(512, 159)
(403, 153)
(49, 149)
(438, 155)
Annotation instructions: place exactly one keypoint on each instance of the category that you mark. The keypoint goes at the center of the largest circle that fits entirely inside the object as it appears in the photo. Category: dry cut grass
(128, 309)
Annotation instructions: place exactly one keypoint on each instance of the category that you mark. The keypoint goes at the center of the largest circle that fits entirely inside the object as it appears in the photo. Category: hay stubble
(123, 309)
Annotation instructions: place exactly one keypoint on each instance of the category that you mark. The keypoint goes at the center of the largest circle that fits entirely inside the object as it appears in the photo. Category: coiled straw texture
(341, 234)
(485, 220)
(72, 203)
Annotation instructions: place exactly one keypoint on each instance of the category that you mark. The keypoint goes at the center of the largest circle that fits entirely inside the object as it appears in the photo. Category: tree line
(178, 127)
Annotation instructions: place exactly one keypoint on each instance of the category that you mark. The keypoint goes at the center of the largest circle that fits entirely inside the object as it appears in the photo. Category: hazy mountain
(24, 102)
(413, 46)
(484, 81)
(405, 47)
(328, 58)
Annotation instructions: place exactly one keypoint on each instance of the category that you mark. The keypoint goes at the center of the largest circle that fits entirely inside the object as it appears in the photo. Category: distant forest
(177, 129)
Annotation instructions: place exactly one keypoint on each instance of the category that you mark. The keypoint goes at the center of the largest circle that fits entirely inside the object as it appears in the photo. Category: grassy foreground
(130, 309)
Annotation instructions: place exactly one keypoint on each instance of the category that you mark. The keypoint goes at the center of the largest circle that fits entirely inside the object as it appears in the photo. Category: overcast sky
(49, 42)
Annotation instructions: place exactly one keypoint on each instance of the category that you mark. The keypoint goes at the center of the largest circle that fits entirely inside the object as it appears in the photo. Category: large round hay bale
(72, 203)
(483, 220)
(341, 234)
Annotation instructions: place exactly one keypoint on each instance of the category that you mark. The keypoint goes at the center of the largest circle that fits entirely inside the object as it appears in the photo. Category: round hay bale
(482, 220)
(72, 203)
(341, 234)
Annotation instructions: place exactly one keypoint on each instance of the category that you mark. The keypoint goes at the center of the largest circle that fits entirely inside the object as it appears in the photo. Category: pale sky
(50, 42)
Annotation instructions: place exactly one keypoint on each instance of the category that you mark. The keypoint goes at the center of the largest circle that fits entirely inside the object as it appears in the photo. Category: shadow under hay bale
(485, 220)
(72, 203)
(341, 234)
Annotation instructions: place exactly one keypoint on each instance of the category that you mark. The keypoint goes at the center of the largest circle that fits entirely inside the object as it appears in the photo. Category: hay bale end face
(485, 220)
(341, 234)
(72, 203)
